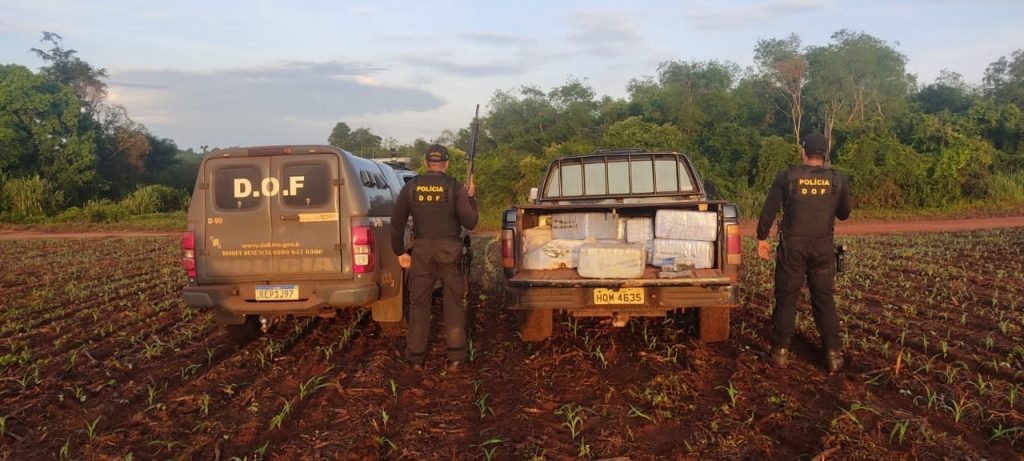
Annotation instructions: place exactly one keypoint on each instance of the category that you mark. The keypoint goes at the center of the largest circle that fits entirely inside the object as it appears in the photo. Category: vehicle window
(572, 179)
(685, 182)
(665, 175)
(594, 174)
(305, 184)
(618, 177)
(642, 173)
(553, 184)
(236, 188)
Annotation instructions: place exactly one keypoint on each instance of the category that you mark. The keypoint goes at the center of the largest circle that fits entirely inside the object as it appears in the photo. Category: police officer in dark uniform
(811, 196)
(440, 208)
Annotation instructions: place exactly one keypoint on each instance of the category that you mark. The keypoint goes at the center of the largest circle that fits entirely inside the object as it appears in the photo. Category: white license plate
(277, 292)
(620, 296)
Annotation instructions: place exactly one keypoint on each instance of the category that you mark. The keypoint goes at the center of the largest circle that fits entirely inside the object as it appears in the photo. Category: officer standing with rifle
(440, 208)
(812, 196)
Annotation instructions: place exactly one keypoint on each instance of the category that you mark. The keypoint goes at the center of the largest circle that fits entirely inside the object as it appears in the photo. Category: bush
(104, 211)
(153, 198)
(1005, 188)
(28, 199)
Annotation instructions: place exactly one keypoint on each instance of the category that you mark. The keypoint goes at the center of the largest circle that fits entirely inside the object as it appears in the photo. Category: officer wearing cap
(440, 208)
(811, 197)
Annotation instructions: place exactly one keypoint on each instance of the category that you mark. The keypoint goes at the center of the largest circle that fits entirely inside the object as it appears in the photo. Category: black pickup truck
(621, 234)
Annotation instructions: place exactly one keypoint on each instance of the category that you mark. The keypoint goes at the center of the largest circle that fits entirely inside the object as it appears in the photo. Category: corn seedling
(899, 431)
(3, 425)
(204, 405)
(65, 450)
(1011, 394)
(481, 404)
(278, 419)
(90, 428)
(635, 412)
(732, 392)
(958, 408)
(573, 420)
(394, 390)
(584, 449)
(384, 418)
(471, 350)
(1000, 433)
(600, 357)
(487, 450)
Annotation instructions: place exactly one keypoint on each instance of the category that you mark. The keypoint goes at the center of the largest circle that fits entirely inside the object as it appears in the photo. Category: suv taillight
(188, 259)
(733, 246)
(508, 259)
(362, 249)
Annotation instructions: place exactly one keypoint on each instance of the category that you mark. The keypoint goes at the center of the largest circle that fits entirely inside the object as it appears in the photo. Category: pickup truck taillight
(733, 245)
(508, 259)
(362, 249)
(188, 260)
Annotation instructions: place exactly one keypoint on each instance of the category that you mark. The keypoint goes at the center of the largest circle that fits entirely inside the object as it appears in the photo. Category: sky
(221, 73)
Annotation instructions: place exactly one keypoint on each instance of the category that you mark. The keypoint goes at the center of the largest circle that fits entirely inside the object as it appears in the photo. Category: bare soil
(100, 360)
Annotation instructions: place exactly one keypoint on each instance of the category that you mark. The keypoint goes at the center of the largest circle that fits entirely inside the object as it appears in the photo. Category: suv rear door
(272, 216)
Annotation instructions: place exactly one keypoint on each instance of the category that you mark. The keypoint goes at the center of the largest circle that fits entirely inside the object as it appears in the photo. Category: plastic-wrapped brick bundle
(580, 226)
(686, 225)
(669, 251)
(556, 254)
(641, 231)
(605, 260)
(536, 237)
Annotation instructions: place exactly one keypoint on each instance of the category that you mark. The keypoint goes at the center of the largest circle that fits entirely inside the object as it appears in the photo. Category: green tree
(855, 78)
(46, 133)
(360, 141)
(66, 68)
(1004, 80)
(783, 66)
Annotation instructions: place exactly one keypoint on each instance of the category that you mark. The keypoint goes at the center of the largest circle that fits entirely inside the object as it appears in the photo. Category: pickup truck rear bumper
(659, 295)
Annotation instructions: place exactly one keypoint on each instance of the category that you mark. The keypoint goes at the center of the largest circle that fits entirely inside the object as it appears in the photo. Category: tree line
(904, 144)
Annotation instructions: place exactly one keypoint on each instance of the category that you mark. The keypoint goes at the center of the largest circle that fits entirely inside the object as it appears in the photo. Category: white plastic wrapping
(700, 253)
(580, 226)
(556, 254)
(609, 260)
(641, 231)
(536, 237)
(686, 225)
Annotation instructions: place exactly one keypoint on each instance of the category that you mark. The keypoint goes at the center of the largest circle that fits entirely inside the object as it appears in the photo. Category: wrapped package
(671, 252)
(686, 225)
(556, 254)
(608, 260)
(641, 230)
(536, 237)
(580, 226)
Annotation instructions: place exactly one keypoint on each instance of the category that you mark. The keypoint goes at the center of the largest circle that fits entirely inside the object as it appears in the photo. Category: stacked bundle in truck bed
(612, 260)
(684, 237)
(582, 226)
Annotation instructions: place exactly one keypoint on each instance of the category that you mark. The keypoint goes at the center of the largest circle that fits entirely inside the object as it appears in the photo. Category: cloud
(604, 33)
(739, 17)
(288, 103)
(475, 69)
(493, 38)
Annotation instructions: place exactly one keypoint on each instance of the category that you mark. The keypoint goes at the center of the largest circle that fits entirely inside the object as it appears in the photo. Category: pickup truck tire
(535, 325)
(714, 324)
(245, 331)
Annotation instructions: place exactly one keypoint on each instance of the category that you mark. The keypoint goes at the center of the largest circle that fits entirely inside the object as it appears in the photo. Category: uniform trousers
(811, 259)
(433, 260)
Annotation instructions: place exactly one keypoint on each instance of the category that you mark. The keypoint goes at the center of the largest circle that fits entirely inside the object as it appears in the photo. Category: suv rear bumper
(314, 297)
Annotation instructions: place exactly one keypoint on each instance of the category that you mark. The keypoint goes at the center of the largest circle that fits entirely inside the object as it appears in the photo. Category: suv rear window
(316, 184)
(232, 187)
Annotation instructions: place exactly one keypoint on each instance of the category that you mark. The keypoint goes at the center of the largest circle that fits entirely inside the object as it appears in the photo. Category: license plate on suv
(619, 296)
(277, 292)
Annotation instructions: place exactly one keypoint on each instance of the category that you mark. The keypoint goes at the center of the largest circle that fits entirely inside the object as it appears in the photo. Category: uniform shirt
(440, 208)
(811, 197)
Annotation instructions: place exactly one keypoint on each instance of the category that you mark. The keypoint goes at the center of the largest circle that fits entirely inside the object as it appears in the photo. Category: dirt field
(100, 360)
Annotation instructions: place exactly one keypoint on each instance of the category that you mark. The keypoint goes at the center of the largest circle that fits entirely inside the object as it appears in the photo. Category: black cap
(814, 144)
(437, 153)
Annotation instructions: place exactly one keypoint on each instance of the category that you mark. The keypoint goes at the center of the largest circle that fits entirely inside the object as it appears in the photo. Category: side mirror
(533, 194)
